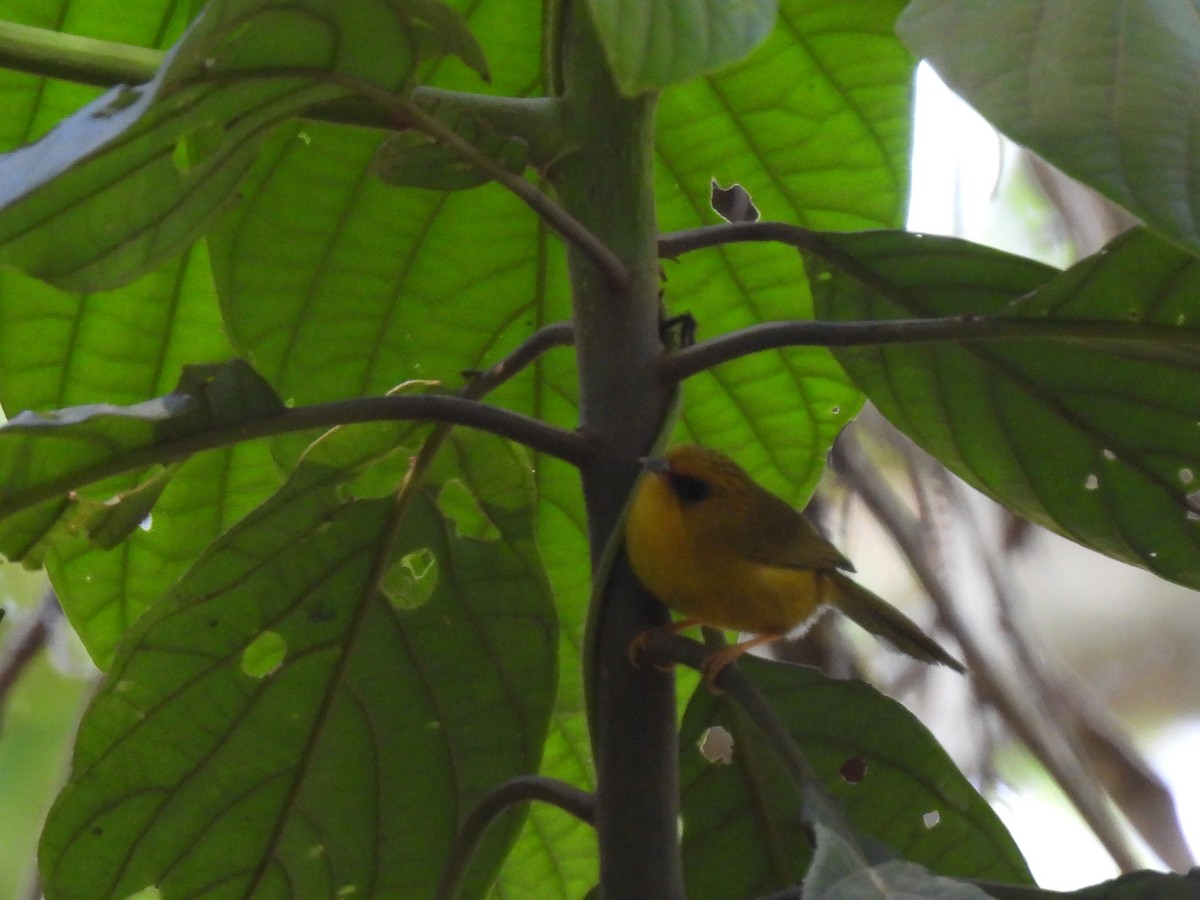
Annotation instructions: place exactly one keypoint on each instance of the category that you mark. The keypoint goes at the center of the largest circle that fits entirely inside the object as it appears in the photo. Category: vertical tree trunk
(607, 183)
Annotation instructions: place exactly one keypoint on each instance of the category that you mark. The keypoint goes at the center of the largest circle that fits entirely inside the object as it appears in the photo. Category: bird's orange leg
(637, 647)
(716, 663)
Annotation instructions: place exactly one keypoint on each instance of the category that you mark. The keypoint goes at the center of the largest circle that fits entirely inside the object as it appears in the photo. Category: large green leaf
(652, 45)
(137, 175)
(1095, 436)
(121, 346)
(276, 727)
(743, 832)
(1104, 90)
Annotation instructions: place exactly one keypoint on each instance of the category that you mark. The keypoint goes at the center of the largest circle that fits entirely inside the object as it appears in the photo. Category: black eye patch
(688, 488)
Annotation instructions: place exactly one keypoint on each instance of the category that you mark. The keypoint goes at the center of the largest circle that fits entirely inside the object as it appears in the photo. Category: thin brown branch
(950, 329)
(559, 334)
(25, 641)
(566, 445)
(522, 789)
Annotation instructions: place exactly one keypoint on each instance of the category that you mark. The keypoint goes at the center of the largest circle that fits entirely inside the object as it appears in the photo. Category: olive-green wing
(777, 535)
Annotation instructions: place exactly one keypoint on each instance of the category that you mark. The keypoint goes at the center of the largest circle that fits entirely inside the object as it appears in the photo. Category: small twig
(891, 512)
(560, 334)
(522, 789)
(25, 641)
(479, 385)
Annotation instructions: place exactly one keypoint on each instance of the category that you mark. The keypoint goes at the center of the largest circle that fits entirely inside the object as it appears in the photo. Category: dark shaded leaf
(1097, 436)
(743, 831)
(214, 755)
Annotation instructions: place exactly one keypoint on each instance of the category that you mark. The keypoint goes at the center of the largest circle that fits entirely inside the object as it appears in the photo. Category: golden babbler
(710, 543)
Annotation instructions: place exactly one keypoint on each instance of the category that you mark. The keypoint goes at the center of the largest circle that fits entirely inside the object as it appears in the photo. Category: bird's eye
(688, 488)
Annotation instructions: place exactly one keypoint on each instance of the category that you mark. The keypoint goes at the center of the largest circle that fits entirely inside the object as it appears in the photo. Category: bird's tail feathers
(883, 620)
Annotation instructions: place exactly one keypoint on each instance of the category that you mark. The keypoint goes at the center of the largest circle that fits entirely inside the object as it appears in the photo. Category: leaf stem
(522, 789)
(566, 445)
(54, 54)
(950, 329)
(567, 226)
(558, 334)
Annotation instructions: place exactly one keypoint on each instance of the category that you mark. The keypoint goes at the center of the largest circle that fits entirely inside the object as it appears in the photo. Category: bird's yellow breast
(690, 566)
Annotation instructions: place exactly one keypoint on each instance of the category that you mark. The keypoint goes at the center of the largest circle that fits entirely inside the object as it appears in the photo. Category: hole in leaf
(147, 523)
(1109, 455)
(733, 204)
(411, 579)
(931, 818)
(264, 654)
(1186, 476)
(1091, 482)
(459, 504)
(716, 745)
(854, 770)
(1193, 500)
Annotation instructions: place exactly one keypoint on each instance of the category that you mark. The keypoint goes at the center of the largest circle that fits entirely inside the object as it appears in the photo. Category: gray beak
(654, 464)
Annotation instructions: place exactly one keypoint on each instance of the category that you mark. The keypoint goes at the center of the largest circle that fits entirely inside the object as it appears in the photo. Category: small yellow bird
(710, 543)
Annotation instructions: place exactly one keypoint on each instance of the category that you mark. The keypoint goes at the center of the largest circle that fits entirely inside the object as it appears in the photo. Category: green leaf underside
(135, 176)
(653, 45)
(210, 772)
(1105, 90)
(40, 450)
(742, 829)
(1097, 439)
(817, 130)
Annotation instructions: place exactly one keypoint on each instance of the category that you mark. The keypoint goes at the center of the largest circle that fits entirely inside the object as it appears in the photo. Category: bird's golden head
(695, 476)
